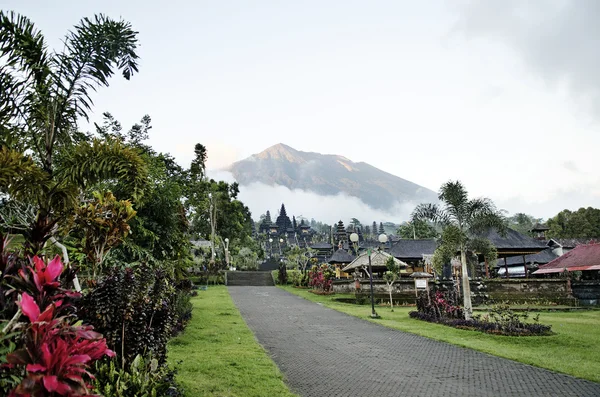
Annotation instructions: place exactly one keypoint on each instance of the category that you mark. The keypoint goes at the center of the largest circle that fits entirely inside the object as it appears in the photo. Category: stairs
(249, 279)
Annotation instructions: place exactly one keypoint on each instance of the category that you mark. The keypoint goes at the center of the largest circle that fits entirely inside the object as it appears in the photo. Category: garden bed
(490, 327)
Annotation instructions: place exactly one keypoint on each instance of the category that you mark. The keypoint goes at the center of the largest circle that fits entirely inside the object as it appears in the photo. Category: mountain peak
(327, 175)
(280, 151)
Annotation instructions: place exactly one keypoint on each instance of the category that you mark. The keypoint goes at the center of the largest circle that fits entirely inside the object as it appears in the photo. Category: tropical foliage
(43, 161)
(417, 230)
(462, 220)
(390, 276)
(583, 223)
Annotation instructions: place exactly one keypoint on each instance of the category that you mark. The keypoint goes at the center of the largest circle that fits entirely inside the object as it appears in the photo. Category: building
(584, 258)
(411, 252)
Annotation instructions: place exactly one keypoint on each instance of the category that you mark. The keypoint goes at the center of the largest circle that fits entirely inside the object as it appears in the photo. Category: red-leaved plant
(55, 354)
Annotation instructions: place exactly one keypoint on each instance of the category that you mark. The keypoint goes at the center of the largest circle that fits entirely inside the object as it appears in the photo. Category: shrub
(321, 278)
(53, 354)
(295, 277)
(135, 310)
(142, 378)
(442, 308)
(183, 311)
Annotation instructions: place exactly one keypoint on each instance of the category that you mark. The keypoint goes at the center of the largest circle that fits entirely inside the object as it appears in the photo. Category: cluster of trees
(122, 212)
(583, 223)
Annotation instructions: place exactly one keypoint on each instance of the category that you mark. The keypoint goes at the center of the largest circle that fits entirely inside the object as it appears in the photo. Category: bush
(50, 354)
(142, 378)
(442, 308)
(295, 277)
(135, 310)
(183, 311)
(321, 278)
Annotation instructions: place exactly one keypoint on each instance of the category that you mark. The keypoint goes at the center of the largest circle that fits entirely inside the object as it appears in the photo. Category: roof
(538, 227)
(413, 249)
(378, 259)
(513, 241)
(341, 256)
(582, 257)
(541, 258)
(321, 246)
(574, 242)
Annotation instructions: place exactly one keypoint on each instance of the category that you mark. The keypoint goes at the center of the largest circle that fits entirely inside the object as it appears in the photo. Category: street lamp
(226, 246)
(271, 246)
(354, 239)
(280, 242)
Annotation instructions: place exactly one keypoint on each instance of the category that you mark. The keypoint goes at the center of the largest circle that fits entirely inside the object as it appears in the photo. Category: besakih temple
(287, 230)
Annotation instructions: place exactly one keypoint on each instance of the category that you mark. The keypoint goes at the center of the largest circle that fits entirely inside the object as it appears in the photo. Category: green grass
(219, 355)
(573, 349)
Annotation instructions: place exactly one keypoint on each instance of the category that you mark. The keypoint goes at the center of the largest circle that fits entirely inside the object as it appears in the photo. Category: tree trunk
(465, 284)
(390, 287)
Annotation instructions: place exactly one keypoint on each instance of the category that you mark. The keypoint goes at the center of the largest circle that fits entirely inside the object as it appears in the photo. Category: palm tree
(44, 161)
(462, 221)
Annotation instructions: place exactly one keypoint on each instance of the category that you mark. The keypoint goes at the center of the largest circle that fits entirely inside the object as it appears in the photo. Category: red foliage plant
(55, 354)
(320, 278)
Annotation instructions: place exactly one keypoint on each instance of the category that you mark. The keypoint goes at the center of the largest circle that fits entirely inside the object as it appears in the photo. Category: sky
(502, 95)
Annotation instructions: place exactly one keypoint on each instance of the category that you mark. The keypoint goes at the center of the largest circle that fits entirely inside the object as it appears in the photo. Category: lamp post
(280, 242)
(226, 246)
(354, 239)
(212, 210)
(271, 246)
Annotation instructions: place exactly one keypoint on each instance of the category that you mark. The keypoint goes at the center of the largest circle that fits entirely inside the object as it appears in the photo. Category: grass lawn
(573, 350)
(219, 355)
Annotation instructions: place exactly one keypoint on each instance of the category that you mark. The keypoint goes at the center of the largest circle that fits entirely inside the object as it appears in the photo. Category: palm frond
(20, 177)
(23, 48)
(24, 75)
(90, 163)
(430, 212)
(94, 50)
(484, 215)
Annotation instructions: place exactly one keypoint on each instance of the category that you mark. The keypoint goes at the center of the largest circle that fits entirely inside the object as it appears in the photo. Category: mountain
(327, 174)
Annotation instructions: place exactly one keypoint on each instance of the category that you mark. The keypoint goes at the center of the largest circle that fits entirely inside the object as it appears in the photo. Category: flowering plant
(55, 355)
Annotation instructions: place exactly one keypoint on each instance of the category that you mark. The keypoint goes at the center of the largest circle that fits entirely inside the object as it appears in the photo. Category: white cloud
(260, 197)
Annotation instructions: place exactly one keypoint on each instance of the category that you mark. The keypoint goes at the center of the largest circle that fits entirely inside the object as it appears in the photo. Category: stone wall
(588, 292)
(534, 291)
(552, 291)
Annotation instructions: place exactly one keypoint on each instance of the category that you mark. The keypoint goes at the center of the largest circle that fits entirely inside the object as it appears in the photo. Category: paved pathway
(326, 353)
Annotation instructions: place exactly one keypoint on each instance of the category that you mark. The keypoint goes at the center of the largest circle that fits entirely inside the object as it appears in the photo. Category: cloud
(329, 209)
(557, 39)
(567, 198)
(570, 166)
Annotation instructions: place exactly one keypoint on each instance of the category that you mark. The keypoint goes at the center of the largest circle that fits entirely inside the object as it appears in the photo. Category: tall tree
(43, 93)
(198, 167)
(583, 223)
(462, 221)
(522, 223)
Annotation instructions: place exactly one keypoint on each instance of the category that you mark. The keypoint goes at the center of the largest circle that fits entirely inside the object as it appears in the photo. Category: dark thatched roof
(539, 227)
(341, 256)
(321, 246)
(407, 249)
(513, 241)
(540, 258)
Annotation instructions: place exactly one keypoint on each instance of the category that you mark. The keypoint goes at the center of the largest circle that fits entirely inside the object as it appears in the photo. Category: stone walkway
(327, 353)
